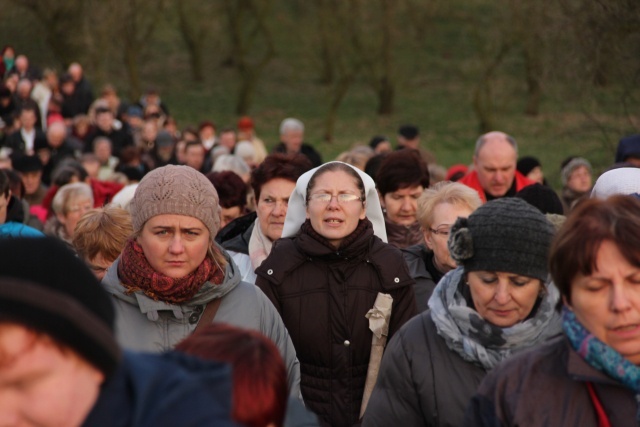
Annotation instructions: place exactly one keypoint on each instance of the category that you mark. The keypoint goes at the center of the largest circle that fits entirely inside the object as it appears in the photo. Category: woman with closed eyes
(590, 374)
(496, 303)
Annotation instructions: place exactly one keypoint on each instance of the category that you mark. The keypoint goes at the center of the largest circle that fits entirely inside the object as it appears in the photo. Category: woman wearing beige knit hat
(172, 275)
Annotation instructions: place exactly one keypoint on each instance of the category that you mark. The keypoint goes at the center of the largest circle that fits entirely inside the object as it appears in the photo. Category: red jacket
(471, 180)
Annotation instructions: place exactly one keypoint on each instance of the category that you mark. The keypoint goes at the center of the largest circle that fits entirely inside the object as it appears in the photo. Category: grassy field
(436, 77)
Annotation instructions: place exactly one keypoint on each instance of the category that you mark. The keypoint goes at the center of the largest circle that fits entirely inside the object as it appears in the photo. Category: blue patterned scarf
(598, 354)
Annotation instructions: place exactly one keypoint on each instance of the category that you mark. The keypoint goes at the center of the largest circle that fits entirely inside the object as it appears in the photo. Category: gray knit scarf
(479, 341)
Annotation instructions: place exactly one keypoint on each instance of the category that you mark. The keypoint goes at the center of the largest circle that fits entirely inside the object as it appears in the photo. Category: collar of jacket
(580, 370)
(386, 259)
(417, 257)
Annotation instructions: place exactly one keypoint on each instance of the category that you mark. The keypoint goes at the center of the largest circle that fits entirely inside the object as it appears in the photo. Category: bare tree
(61, 21)
(197, 20)
(133, 23)
(252, 46)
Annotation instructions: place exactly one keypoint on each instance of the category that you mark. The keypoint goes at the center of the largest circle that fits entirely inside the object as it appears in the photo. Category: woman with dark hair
(233, 195)
(249, 238)
(496, 303)
(259, 375)
(325, 275)
(401, 178)
(589, 376)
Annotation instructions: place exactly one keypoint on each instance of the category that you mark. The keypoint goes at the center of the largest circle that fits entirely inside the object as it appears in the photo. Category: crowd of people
(158, 275)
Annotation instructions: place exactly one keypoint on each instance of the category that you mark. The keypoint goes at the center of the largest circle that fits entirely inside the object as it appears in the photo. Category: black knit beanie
(507, 235)
(542, 197)
(44, 286)
(527, 164)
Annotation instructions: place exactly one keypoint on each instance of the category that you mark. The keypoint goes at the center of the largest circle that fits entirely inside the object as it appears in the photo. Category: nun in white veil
(324, 275)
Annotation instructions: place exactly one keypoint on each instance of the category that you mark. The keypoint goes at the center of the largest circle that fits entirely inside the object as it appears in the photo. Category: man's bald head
(56, 134)
(495, 162)
(75, 70)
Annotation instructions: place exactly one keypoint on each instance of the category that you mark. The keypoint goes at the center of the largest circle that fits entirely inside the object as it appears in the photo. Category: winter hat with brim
(617, 181)
(297, 210)
(177, 190)
(46, 287)
(506, 235)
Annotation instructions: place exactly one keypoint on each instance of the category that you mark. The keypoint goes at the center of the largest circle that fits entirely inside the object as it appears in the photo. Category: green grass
(436, 77)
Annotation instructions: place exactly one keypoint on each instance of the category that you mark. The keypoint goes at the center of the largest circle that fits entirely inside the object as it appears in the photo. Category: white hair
(66, 192)
(245, 150)
(233, 163)
(291, 124)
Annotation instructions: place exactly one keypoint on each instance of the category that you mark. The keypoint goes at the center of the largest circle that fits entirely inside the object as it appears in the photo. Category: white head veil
(617, 181)
(297, 210)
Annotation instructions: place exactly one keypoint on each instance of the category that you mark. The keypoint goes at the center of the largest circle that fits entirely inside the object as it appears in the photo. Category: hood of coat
(207, 292)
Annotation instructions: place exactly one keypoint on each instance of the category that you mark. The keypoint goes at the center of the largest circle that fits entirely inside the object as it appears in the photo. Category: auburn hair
(260, 390)
(574, 250)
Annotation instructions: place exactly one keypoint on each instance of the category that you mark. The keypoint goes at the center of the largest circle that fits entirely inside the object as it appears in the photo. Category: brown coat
(323, 296)
(547, 387)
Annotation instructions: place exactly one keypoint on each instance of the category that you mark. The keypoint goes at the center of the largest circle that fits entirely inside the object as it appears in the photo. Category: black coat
(421, 381)
(306, 149)
(120, 138)
(323, 296)
(18, 145)
(420, 260)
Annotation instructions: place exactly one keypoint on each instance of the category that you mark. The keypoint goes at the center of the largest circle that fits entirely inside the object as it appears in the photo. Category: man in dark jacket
(61, 364)
(28, 139)
(291, 141)
(106, 126)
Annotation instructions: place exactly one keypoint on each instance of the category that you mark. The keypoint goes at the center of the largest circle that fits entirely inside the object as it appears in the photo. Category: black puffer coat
(323, 296)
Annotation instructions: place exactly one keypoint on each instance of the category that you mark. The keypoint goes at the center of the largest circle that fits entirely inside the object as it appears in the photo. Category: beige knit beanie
(178, 190)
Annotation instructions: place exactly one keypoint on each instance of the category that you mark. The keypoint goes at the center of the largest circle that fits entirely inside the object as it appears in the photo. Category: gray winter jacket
(421, 381)
(143, 324)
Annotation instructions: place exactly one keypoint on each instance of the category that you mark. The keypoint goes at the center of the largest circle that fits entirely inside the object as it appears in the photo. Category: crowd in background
(374, 289)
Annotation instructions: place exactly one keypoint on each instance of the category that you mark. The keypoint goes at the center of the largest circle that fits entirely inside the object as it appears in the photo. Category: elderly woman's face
(402, 205)
(335, 219)
(272, 206)
(607, 302)
(444, 216)
(76, 207)
(580, 179)
(174, 245)
(501, 298)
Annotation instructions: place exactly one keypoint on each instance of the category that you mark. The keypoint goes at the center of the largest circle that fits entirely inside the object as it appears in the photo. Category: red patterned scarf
(136, 274)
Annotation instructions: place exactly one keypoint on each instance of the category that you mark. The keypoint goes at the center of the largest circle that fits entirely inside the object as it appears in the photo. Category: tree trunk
(194, 40)
(386, 97)
(326, 58)
(533, 70)
(482, 99)
(386, 90)
(133, 74)
(340, 91)
(248, 85)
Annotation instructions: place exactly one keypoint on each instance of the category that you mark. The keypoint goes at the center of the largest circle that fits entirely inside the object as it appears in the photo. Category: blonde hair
(66, 192)
(102, 231)
(445, 192)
